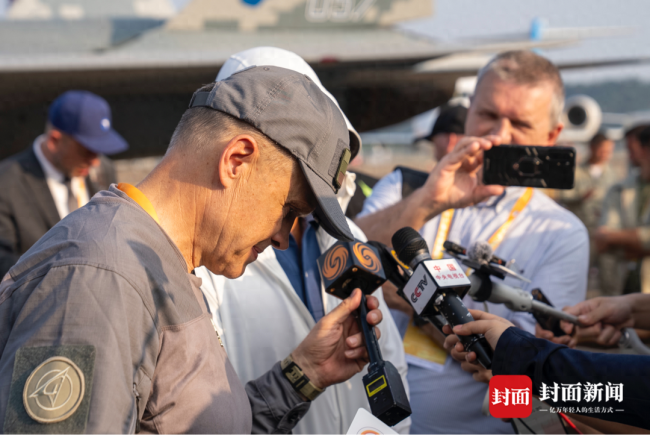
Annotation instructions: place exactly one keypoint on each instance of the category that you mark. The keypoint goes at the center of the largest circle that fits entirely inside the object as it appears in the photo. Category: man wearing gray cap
(103, 327)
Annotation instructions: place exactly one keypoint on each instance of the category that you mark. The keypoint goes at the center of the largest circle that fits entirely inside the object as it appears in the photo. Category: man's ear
(53, 140)
(555, 133)
(238, 158)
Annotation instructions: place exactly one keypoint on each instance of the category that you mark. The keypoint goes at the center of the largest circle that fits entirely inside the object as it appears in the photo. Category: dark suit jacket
(27, 209)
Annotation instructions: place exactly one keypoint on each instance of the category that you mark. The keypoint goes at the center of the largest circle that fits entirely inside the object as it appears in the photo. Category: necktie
(310, 252)
(72, 200)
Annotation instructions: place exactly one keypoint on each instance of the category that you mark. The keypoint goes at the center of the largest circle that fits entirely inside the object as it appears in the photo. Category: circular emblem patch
(54, 390)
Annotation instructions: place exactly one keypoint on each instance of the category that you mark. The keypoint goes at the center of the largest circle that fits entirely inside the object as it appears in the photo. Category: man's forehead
(493, 86)
(512, 99)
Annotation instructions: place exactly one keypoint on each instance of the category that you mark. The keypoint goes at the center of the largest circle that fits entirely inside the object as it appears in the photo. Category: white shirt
(549, 244)
(55, 181)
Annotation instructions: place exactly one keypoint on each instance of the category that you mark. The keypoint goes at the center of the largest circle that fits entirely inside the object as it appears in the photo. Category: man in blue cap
(49, 180)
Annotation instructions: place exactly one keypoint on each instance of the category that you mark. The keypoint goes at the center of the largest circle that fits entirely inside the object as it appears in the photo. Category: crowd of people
(193, 302)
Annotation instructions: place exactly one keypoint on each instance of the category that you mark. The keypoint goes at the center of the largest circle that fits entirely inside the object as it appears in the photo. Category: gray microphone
(481, 252)
(515, 299)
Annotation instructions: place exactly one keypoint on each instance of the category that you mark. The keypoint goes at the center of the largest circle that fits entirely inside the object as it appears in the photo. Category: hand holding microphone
(347, 266)
(434, 286)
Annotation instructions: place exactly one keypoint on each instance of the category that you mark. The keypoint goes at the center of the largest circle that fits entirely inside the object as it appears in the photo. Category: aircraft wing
(147, 66)
(357, 65)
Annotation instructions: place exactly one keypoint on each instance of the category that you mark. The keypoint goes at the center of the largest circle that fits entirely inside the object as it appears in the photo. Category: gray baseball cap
(289, 108)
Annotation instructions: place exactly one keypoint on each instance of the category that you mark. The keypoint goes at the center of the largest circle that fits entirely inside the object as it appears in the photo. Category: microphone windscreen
(408, 244)
(481, 252)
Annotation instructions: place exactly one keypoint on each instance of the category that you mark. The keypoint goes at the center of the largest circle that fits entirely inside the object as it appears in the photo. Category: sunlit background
(599, 31)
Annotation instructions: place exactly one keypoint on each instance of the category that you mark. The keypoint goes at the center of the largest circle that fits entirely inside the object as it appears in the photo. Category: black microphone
(434, 287)
(398, 275)
(454, 248)
(350, 265)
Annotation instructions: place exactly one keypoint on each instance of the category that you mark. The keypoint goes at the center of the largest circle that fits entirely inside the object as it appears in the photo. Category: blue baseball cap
(87, 118)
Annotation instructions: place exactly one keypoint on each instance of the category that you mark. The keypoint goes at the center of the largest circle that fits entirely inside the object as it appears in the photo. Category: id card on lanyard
(421, 350)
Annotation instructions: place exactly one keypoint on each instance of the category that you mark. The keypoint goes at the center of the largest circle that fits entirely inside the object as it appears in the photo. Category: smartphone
(547, 322)
(530, 166)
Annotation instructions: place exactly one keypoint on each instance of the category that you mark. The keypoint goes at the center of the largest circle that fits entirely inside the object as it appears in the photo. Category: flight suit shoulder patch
(50, 389)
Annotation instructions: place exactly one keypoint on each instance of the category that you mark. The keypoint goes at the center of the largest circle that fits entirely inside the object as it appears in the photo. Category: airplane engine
(581, 117)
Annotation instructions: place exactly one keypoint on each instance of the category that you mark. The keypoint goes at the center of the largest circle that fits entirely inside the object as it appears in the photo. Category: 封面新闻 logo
(54, 390)
(511, 396)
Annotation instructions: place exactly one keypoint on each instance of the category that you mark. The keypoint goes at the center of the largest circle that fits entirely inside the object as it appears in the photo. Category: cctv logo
(419, 289)
(511, 396)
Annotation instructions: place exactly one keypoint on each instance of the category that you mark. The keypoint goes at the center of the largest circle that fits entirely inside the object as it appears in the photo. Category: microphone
(434, 286)
(398, 275)
(480, 257)
(480, 252)
(483, 253)
(453, 248)
(513, 298)
(350, 265)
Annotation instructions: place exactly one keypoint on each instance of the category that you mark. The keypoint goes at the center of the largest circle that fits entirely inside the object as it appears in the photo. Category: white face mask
(346, 192)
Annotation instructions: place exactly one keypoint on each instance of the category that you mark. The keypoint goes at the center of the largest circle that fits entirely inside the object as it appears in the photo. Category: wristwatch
(299, 380)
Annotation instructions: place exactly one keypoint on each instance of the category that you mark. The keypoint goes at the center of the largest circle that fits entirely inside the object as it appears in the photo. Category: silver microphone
(517, 299)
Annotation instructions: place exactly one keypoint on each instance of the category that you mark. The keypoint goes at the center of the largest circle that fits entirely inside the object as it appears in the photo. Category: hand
(334, 350)
(566, 340)
(455, 181)
(602, 318)
(489, 325)
(478, 372)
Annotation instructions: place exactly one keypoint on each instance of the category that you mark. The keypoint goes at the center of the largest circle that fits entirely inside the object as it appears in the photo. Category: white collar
(48, 168)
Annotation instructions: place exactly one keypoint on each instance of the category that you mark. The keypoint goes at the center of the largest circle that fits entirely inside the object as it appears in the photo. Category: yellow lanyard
(443, 231)
(135, 194)
(495, 240)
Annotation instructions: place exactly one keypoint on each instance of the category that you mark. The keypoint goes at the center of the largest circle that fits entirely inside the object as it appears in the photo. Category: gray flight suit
(103, 330)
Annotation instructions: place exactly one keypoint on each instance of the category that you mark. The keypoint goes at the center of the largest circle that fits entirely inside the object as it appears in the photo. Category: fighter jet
(146, 58)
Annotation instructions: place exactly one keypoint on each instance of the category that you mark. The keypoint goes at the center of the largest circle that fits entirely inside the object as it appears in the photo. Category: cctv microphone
(434, 287)
(398, 275)
(350, 265)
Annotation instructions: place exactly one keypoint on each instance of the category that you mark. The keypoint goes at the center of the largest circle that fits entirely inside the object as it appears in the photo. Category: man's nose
(503, 128)
(280, 240)
(94, 161)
